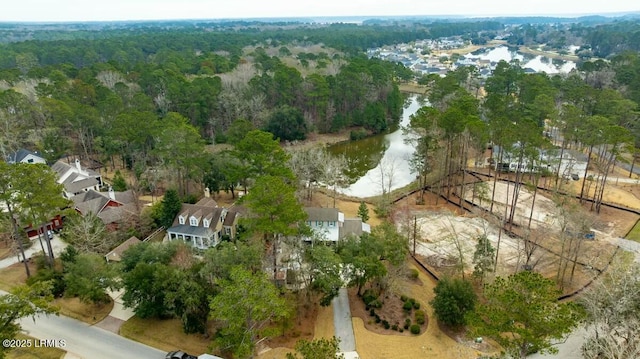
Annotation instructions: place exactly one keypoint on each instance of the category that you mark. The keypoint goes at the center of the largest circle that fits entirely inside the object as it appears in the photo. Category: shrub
(368, 296)
(372, 312)
(357, 134)
(401, 330)
(413, 273)
(407, 306)
(404, 298)
(394, 327)
(415, 329)
(386, 324)
(406, 326)
(416, 305)
(377, 319)
(453, 299)
(376, 304)
(55, 277)
(420, 319)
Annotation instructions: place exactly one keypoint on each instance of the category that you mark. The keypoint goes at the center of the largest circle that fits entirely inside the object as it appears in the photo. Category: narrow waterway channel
(385, 152)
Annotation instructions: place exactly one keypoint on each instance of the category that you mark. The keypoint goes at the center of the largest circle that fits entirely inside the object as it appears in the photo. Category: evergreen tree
(169, 208)
(453, 299)
(483, 257)
(119, 183)
(363, 212)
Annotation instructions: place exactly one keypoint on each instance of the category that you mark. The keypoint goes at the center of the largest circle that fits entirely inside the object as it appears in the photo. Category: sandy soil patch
(542, 210)
(441, 233)
(625, 194)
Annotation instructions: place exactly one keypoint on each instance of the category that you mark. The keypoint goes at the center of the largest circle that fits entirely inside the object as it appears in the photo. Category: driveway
(56, 243)
(342, 321)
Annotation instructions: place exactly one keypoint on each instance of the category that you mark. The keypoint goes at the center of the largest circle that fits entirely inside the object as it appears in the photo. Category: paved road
(84, 341)
(342, 321)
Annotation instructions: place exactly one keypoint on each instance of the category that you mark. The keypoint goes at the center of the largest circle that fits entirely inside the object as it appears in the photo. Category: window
(30, 160)
(205, 223)
(193, 221)
(319, 223)
(332, 223)
(227, 230)
(181, 220)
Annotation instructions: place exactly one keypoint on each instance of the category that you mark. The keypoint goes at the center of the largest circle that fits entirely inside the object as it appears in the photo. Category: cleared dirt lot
(445, 233)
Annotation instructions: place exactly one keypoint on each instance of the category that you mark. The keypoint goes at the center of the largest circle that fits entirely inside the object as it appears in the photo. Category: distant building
(25, 156)
(572, 163)
(330, 224)
(76, 179)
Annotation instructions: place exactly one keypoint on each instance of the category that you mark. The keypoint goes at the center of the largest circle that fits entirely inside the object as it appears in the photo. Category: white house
(331, 225)
(76, 179)
(572, 163)
(25, 156)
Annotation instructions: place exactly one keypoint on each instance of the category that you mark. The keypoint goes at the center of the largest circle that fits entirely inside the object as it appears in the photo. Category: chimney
(112, 194)
(207, 192)
(78, 166)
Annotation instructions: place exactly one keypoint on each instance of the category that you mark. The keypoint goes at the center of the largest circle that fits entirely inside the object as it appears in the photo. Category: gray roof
(76, 182)
(90, 201)
(72, 185)
(230, 218)
(61, 168)
(208, 211)
(321, 214)
(116, 214)
(95, 202)
(20, 155)
(351, 226)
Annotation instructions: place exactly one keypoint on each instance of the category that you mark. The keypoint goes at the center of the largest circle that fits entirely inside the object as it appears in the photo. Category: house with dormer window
(203, 225)
(331, 225)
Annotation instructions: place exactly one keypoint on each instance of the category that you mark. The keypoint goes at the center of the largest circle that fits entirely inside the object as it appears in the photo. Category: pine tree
(119, 183)
(363, 212)
(483, 257)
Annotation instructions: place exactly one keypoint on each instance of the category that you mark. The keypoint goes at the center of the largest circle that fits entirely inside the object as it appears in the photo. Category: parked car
(179, 354)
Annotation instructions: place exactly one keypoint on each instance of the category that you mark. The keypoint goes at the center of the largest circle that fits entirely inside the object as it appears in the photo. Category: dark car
(179, 354)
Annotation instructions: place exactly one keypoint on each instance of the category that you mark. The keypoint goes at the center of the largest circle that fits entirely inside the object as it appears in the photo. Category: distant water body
(535, 62)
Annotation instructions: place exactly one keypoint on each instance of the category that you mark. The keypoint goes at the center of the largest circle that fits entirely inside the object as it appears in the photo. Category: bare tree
(333, 173)
(613, 321)
(88, 234)
(386, 169)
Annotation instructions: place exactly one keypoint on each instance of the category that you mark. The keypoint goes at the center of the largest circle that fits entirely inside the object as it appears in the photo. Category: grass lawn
(634, 234)
(14, 275)
(85, 312)
(35, 353)
(164, 334)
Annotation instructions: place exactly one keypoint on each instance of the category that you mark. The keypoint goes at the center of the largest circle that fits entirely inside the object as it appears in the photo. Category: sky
(109, 10)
